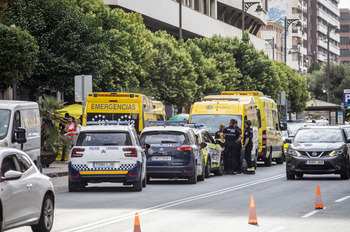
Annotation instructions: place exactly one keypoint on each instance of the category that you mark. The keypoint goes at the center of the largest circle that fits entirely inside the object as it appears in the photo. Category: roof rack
(167, 123)
(194, 125)
(219, 98)
(106, 123)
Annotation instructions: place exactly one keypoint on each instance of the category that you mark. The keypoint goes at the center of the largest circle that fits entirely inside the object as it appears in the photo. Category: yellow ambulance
(133, 107)
(213, 110)
(270, 135)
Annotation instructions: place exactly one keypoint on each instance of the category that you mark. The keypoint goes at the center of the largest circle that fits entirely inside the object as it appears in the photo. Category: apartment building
(344, 36)
(200, 18)
(323, 17)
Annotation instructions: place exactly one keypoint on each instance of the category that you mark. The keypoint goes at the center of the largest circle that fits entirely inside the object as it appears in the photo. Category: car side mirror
(147, 146)
(283, 126)
(20, 135)
(348, 141)
(288, 140)
(204, 145)
(12, 175)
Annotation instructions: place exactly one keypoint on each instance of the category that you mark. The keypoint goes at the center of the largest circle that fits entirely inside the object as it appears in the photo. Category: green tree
(18, 55)
(69, 43)
(315, 66)
(173, 79)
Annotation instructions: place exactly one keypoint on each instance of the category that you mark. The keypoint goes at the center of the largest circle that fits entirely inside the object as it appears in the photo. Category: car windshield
(319, 136)
(4, 122)
(104, 139)
(294, 127)
(347, 129)
(213, 121)
(164, 137)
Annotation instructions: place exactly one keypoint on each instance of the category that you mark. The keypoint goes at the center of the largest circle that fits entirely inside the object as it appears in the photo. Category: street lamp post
(287, 23)
(272, 43)
(336, 30)
(180, 20)
(245, 7)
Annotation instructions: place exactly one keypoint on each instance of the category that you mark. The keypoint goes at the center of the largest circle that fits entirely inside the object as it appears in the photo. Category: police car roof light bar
(109, 123)
(167, 123)
(194, 125)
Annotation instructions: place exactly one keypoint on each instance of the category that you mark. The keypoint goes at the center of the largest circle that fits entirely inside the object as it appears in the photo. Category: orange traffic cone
(318, 202)
(252, 212)
(137, 227)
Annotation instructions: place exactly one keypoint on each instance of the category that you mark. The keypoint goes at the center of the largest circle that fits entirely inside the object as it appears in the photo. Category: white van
(20, 127)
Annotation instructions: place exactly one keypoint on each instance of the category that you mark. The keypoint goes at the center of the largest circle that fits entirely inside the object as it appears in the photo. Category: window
(344, 40)
(344, 52)
(345, 28)
(205, 137)
(104, 139)
(163, 137)
(24, 162)
(17, 121)
(8, 163)
(344, 16)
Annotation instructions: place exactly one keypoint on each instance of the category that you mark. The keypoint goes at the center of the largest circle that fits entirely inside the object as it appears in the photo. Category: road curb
(57, 174)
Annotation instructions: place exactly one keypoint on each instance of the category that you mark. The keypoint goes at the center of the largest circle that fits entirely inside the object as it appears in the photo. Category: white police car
(107, 153)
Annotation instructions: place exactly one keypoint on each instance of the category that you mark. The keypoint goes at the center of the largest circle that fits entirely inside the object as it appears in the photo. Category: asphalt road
(217, 204)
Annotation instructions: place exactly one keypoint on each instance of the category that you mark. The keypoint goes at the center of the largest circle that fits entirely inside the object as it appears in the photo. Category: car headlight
(294, 152)
(336, 153)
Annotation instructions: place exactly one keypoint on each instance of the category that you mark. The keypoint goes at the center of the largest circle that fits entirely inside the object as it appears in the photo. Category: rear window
(104, 139)
(165, 137)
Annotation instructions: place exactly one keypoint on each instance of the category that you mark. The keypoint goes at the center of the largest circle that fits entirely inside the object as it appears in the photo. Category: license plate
(104, 165)
(157, 158)
(314, 162)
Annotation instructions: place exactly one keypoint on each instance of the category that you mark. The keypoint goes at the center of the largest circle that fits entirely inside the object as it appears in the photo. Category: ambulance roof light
(167, 123)
(106, 122)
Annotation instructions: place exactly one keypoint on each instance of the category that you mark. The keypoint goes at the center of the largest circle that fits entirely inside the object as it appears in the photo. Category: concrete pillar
(214, 9)
(192, 4)
(208, 7)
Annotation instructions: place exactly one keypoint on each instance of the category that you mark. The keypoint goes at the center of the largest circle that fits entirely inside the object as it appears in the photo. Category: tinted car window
(104, 139)
(319, 136)
(157, 137)
(8, 163)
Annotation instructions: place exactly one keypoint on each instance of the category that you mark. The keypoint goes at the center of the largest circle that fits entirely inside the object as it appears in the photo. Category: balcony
(330, 6)
(322, 14)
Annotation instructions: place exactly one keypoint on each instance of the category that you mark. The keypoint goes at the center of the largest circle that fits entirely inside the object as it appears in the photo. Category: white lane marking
(113, 220)
(342, 199)
(313, 212)
(278, 229)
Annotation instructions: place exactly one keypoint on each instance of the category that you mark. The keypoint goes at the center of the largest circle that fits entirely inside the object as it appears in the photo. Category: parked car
(107, 153)
(173, 151)
(213, 155)
(318, 150)
(27, 197)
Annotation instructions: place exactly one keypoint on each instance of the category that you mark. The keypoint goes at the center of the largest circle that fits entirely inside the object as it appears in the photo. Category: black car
(318, 150)
(173, 151)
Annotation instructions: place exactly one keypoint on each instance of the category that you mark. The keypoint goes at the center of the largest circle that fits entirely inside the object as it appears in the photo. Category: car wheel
(268, 160)
(300, 175)
(46, 217)
(137, 186)
(73, 186)
(202, 177)
(345, 174)
(193, 178)
(221, 168)
(281, 159)
(208, 168)
(290, 176)
(144, 181)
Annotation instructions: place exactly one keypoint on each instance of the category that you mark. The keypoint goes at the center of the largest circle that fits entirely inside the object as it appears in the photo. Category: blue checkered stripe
(122, 167)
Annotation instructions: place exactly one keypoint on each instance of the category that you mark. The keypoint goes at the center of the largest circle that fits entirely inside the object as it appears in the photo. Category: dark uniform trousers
(248, 155)
(232, 155)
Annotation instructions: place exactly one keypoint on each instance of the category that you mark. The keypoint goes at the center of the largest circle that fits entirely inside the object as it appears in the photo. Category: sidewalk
(56, 169)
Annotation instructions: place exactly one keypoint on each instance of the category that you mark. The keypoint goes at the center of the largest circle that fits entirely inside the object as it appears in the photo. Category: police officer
(233, 137)
(248, 146)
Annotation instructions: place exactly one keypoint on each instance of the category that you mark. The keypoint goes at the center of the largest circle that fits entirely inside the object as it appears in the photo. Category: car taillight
(130, 152)
(264, 138)
(77, 152)
(184, 148)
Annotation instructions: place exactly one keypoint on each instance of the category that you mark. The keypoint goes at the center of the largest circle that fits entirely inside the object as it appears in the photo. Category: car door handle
(29, 186)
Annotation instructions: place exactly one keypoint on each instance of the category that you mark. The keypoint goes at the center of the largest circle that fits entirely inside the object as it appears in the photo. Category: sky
(344, 4)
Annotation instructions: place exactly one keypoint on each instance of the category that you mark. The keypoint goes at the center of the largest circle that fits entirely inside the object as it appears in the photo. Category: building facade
(200, 18)
(323, 15)
(344, 36)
